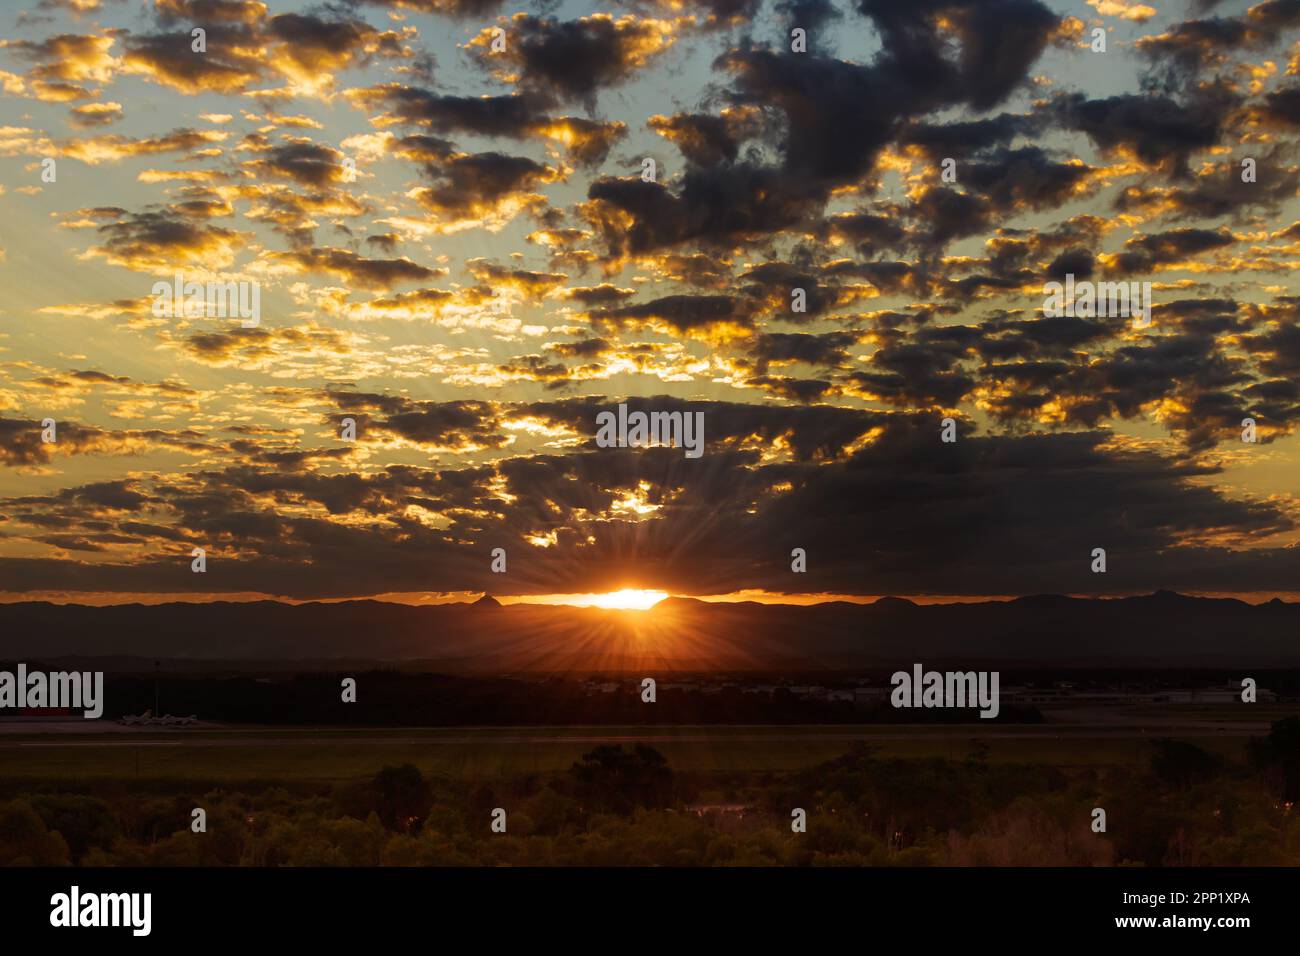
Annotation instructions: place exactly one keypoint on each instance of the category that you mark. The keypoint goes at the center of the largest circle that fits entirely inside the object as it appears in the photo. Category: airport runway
(281, 737)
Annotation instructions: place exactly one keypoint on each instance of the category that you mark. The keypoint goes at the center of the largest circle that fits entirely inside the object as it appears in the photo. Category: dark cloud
(311, 40)
(347, 265)
(232, 64)
(440, 425)
(681, 313)
(463, 9)
(1277, 346)
(600, 295)
(566, 60)
(512, 116)
(946, 518)
(301, 161)
(1014, 180)
(703, 139)
(827, 121)
(22, 446)
(157, 240)
(475, 186)
(727, 207)
(1078, 262)
(946, 214)
(1187, 49)
(1283, 106)
(813, 16)
(838, 115)
(1145, 253)
(384, 242)
(1219, 191)
(796, 171)
(869, 231)
(997, 43)
(585, 348)
(827, 348)
(1159, 131)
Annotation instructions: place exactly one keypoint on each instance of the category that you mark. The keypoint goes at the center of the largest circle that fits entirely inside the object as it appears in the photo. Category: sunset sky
(499, 272)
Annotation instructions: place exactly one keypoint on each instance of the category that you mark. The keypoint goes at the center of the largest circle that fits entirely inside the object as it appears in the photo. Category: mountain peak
(486, 600)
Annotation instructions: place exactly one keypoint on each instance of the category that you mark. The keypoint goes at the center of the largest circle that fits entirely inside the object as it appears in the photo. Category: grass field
(269, 755)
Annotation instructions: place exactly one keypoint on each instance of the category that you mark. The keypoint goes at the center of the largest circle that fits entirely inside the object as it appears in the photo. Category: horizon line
(587, 600)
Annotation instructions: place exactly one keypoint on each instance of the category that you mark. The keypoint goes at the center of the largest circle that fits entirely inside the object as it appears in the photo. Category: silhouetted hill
(1158, 630)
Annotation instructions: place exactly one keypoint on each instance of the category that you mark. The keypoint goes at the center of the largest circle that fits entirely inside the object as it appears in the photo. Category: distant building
(865, 698)
(723, 809)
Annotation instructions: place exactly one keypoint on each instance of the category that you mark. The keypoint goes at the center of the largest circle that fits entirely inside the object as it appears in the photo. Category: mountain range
(1160, 630)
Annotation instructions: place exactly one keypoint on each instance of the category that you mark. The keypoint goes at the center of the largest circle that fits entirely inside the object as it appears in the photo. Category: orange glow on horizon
(626, 599)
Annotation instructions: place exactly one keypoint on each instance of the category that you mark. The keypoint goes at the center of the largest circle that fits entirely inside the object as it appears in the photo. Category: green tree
(1281, 749)
(618, 780)
(84, 822)
(1180, 764)
(404, 797)
(24, 839)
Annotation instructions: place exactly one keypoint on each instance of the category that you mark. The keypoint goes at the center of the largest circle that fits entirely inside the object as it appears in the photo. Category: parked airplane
(147, 719)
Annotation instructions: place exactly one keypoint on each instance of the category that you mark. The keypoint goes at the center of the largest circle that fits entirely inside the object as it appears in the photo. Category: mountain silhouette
(1162, 630)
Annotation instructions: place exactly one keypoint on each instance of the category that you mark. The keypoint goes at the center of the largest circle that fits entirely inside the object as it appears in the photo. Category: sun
(629, 599)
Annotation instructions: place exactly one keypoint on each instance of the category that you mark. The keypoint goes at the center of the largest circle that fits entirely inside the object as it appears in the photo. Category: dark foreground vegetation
(618, 806)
